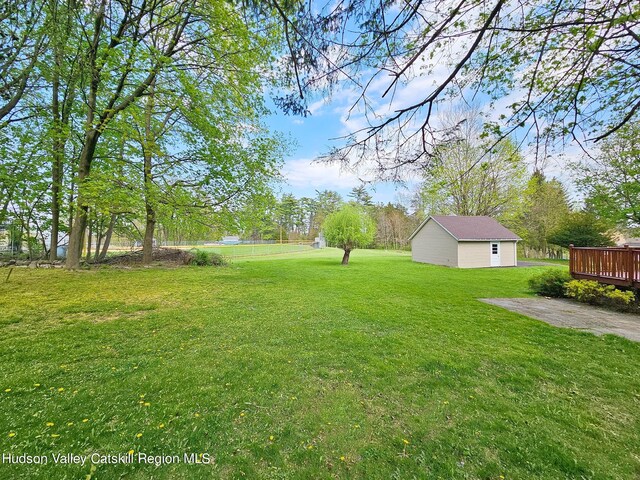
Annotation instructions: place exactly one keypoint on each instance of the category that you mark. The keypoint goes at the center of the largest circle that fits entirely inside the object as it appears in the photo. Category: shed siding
(432, 244)
(474, 254)
(508, 254)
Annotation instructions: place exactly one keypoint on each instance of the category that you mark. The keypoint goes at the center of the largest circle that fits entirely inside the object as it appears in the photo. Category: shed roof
(477, 228)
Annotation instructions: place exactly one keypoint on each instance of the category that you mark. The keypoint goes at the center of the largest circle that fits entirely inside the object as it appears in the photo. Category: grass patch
(301, 368)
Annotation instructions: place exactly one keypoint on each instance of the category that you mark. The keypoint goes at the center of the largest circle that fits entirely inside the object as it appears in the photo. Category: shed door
(495, 254)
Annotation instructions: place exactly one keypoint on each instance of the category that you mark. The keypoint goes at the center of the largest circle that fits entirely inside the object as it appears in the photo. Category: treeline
(290, 218)
(472, 176)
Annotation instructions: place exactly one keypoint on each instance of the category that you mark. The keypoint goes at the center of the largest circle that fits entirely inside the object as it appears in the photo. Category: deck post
(572, 260)
(630, 264)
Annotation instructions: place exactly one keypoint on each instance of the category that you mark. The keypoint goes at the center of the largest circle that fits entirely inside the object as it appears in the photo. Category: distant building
(464, 242)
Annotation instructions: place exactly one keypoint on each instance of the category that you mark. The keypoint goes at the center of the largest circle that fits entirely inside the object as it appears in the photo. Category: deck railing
(614, 266)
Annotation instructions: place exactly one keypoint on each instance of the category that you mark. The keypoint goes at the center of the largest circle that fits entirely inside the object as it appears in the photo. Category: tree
(570, 70)
(581, 229)
(469, 177)
(361, 196)
(22, 39)
(545, 208)
(611, 180)
(347, 229)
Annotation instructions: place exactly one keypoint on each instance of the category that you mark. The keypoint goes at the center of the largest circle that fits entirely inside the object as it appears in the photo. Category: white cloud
(305, 173)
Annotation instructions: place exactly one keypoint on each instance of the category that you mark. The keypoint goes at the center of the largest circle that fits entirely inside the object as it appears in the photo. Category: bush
(550, 283)
(211, 259)
(594, 293)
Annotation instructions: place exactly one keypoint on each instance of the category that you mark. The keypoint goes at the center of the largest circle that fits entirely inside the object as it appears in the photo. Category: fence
(614, 266)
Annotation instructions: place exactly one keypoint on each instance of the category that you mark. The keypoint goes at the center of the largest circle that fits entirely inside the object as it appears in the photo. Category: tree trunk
(80, 219)
(147, 153)
(107, 238)
(345, 257)
(56, 169)
(89, 238)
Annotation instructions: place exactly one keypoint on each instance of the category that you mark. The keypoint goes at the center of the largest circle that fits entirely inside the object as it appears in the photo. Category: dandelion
(50, 424)
(310, 447)
(7, 390)
(131, 452)
(85, 420)
(55, 435)
(12, 434)
(242, 414)
(36, 384)
(405, 441)
(138, 435)
(342, 458)
(271, 438)
(196, 415)
(69, 424)
(161, 425)
(61, 389)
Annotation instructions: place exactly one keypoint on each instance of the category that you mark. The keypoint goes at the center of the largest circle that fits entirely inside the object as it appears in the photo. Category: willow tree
(349, 228)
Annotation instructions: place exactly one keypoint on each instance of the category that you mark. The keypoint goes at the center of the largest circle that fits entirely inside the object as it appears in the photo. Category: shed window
(494, 248)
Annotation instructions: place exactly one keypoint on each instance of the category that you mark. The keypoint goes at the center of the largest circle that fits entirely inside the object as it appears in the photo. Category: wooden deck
(614, 266)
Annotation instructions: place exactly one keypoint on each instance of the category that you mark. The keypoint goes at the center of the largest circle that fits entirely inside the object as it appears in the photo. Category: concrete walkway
(569, 314)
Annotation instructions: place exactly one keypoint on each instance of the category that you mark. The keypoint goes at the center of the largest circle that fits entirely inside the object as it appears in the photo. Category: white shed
(464, 242)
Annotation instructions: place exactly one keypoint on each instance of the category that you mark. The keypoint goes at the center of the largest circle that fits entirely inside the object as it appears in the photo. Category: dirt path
(568, 314)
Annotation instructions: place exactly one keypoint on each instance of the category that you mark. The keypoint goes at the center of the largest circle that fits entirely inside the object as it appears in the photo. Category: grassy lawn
(300, 368)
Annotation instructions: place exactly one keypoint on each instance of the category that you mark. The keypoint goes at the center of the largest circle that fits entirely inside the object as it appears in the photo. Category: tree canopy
(349, 228)
(556, 70)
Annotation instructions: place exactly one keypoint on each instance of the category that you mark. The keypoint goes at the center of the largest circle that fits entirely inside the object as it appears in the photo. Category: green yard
(297, 367)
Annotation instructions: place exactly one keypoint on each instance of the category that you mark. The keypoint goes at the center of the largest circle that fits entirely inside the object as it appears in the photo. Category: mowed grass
(250, 250)
(301, 368)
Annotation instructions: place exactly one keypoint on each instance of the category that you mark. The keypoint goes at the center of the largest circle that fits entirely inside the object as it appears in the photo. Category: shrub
(594, 293)
(550, 283)
(203, 258)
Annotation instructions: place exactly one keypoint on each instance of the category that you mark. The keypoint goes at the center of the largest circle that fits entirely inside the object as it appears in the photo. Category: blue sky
(313, 136)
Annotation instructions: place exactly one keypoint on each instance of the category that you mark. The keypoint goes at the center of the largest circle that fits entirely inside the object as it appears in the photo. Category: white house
(464, 242)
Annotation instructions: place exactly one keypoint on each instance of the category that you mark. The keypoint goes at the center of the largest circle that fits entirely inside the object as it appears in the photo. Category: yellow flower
(55, 435)
(69, 424)
(36, 384)
(271, 437)
(61, 389)
(85, 420)
(196, 414)
(310, 447)
(50, 424)
(161, 425)
(7, 390)
(131, 452)
(342, 458)
(242, 414)
(138, 435)
(406, 442)
(12, 434)
(147, 404)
